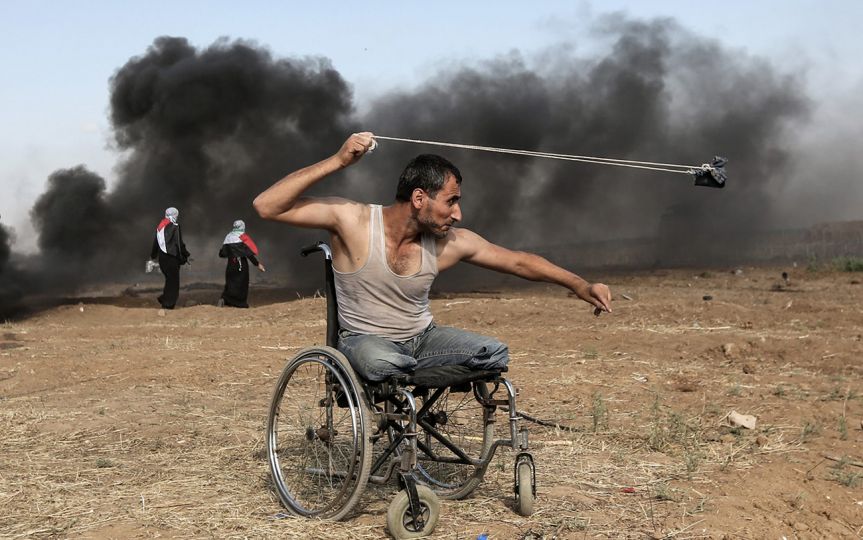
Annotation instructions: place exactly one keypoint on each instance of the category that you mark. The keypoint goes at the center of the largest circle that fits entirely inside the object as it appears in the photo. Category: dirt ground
(121, 422)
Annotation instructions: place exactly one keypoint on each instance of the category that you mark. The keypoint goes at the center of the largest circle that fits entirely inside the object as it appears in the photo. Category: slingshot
(706, 175)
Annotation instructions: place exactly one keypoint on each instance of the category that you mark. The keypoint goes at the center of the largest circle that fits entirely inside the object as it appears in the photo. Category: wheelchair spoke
(454, 442)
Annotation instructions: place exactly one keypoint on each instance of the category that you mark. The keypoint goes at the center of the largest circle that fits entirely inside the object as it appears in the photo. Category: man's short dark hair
(427, 172)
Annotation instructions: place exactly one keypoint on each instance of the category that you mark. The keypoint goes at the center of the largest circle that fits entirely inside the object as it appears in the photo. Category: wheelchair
(330, 434)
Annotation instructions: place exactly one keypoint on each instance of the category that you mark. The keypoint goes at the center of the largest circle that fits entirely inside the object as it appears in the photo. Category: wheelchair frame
(414, 415)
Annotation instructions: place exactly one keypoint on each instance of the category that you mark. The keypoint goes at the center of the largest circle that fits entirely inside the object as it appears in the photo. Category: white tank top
(375, 300)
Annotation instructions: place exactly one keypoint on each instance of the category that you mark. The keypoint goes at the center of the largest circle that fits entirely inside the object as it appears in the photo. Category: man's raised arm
(283, 200)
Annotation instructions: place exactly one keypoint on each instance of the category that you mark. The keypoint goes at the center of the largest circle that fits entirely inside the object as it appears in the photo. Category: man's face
(442, 211)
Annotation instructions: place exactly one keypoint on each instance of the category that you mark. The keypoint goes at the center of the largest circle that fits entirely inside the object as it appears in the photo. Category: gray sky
(57, 58)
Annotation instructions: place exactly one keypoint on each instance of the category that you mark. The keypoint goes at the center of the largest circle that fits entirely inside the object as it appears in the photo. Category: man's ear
(418, 198)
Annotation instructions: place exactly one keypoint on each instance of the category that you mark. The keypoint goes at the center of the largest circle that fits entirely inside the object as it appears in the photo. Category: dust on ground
(119, 422)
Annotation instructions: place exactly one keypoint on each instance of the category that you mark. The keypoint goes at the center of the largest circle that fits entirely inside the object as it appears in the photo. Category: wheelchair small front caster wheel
(400, 520)
(524, 495)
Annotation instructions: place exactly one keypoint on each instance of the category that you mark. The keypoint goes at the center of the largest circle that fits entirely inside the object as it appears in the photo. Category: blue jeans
(375, 358)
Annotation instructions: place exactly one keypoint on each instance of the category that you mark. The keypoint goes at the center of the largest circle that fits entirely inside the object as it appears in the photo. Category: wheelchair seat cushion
(446, 376)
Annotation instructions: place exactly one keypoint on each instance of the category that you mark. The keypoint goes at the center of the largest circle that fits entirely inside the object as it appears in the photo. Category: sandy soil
(121, 422)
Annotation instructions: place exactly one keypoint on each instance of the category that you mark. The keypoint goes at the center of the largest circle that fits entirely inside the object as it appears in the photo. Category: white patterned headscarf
(238, 229)
(172, 214)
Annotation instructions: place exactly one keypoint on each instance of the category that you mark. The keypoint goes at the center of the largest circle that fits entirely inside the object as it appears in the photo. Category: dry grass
(205, 475)
(128, 424)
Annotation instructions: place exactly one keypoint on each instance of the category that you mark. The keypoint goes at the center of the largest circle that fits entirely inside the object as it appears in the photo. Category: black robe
(236, 292)
(169, 264)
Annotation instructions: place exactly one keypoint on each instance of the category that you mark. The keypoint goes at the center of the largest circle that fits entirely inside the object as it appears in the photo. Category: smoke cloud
(205, 130)
(659, 94)
(5, 248)
(10, 291)
(74, 222)
(201, 130)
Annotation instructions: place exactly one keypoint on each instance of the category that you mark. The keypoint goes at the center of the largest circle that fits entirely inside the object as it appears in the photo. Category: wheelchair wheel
(317, 435)
(524, 497)
(456, 416)
(400, 521)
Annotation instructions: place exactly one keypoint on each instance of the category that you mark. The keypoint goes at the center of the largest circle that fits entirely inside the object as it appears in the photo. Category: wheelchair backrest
(329, 291)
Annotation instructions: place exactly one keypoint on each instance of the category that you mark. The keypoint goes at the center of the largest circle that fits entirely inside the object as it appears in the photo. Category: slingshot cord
(649, 165)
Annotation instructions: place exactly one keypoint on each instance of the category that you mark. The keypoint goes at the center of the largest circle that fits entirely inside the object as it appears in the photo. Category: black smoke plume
(10, 278)
(659, 94)
(74, 224)
(205, 130)
(200, 130)
(5, 248)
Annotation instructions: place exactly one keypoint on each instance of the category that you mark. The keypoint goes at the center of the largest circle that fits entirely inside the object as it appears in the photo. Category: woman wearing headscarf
(239, 249)
(168, 246)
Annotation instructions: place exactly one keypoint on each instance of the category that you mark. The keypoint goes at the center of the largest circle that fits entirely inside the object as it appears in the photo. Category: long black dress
(236, 292)
(169, 264)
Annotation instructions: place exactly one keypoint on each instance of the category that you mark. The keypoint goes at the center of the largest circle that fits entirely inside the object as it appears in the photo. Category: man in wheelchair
(386, 258)
(428, 391)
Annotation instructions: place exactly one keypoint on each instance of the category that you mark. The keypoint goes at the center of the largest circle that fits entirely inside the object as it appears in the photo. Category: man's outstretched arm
(283, 200)
(470, 247)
